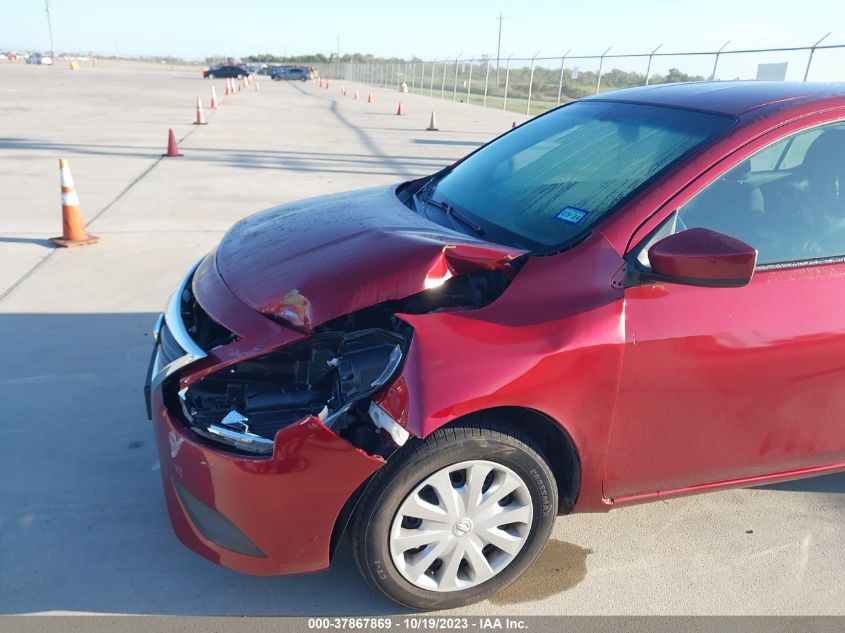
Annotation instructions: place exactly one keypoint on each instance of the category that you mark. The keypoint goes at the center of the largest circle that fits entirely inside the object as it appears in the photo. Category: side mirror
(701, 257)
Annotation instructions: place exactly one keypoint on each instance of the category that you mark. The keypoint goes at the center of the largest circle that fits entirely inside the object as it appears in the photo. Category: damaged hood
(309, 262)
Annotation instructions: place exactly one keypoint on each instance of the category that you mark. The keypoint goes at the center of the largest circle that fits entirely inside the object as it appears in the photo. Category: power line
(49, 26)
(499, 47)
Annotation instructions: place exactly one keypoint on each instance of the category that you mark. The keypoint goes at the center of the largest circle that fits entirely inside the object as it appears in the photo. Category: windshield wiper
(449, 210)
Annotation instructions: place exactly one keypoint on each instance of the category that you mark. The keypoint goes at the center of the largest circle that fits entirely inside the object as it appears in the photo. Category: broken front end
(313, 411)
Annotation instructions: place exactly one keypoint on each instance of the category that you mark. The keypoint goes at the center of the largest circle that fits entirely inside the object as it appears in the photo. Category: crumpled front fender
(561, 357)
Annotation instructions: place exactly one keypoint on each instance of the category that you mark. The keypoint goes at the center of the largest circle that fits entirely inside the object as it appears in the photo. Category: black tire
(210, 77)
(485, 438)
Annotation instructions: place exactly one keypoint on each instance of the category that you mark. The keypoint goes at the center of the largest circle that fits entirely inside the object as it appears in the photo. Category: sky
(434, 29)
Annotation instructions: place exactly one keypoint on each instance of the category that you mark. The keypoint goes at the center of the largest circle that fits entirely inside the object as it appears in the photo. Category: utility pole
(49, 26)
(499, 47)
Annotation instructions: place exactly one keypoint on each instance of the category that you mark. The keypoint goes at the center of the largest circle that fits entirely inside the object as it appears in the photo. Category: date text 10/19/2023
(422, 623)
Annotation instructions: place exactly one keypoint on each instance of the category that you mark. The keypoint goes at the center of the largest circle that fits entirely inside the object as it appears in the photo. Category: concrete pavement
(83, 528)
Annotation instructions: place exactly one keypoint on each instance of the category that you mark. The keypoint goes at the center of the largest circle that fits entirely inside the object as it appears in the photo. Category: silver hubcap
(461, 526)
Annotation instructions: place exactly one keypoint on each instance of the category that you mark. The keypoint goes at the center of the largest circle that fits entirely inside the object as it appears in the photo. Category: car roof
(726, 97)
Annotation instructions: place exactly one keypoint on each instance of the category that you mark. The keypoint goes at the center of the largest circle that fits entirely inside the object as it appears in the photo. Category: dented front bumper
(261, 516)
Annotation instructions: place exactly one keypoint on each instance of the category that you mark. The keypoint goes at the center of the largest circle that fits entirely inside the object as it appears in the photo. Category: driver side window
(787, 201)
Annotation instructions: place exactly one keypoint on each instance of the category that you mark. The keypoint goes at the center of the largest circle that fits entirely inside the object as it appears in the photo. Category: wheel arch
(546, 432)
(550, 436)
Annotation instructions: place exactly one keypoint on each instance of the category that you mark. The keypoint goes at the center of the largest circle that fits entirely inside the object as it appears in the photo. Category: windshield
(548, 181)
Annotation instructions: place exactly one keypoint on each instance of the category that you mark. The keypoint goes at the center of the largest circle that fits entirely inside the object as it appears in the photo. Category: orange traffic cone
(357, 95)
(213, 104)
(399, 110)
(200, 115)
(370, 98)
(327, 85)
(227, 92)
(73, 228)
(432, 126)
(172, 149)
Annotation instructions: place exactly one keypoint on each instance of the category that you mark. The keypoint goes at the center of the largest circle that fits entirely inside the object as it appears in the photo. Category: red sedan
(629, 298)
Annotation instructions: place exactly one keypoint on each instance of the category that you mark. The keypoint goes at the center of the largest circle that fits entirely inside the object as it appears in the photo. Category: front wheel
(455, 518)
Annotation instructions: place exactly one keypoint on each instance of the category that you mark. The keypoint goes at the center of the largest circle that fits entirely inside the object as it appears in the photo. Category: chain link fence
(535, 84)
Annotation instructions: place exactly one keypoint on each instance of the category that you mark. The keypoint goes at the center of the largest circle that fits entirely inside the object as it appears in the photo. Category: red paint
(395, 401)
(256, 333)
(665, 389)
(745, 482)
(343, 253)
(725, 383)
(727, 97)
(703, 254)
(286, 505)
(553, 343)
(468, 258)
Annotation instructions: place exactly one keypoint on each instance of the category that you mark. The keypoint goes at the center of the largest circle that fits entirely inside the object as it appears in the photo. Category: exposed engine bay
(319, 376)
(332, 375)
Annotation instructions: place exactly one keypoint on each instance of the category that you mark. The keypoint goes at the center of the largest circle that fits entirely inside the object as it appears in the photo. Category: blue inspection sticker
(572, 215)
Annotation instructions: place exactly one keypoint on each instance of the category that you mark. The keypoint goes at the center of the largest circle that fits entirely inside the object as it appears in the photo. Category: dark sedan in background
(290, 74)
(226, 71)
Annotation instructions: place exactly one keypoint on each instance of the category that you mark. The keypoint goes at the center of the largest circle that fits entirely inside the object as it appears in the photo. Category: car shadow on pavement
(83, 525)
(824, 484)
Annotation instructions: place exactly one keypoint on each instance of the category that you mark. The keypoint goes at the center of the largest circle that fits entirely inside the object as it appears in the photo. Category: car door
(724, 384)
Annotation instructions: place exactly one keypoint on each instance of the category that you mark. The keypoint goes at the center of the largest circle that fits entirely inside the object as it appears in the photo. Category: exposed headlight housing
(326, 375)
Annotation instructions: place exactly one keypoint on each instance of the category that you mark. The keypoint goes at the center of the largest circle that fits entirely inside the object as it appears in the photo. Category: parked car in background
(225, 71)
(290, 74)
(255, 67)
(632, 297)
(38, 58)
